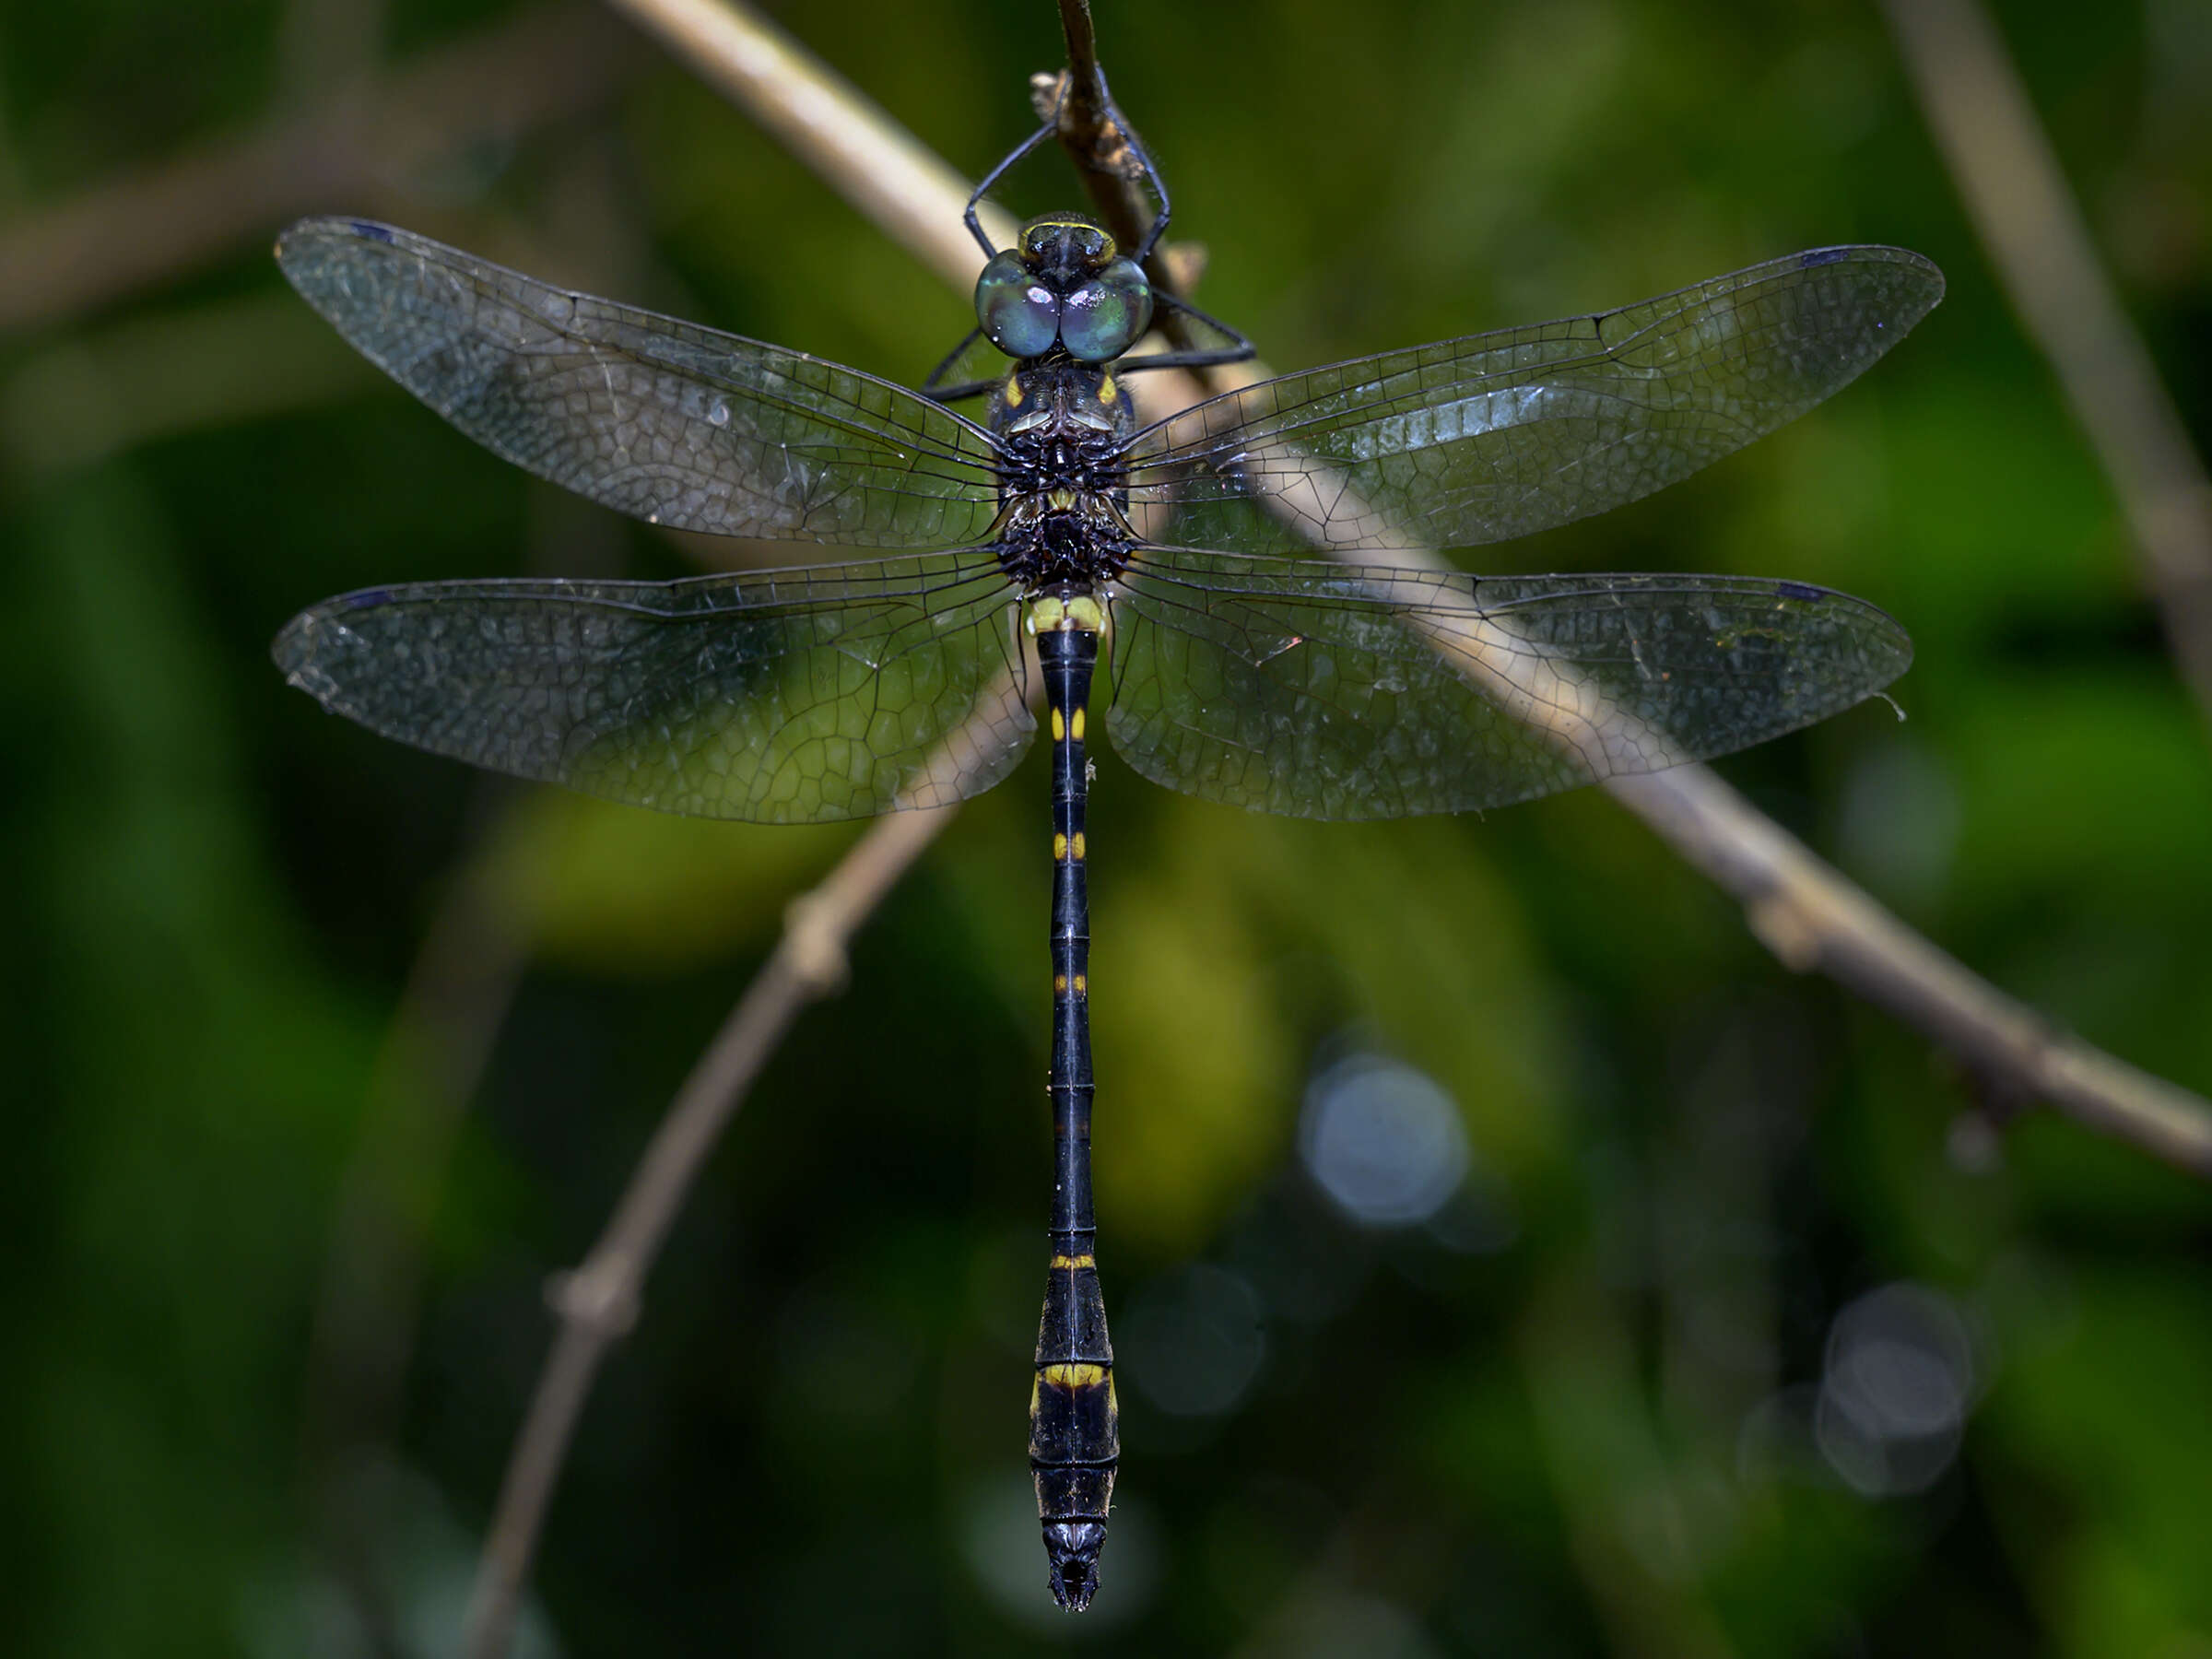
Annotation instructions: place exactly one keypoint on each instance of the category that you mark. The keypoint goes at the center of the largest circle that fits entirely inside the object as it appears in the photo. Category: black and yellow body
(1073, 1440)
(1064, 422)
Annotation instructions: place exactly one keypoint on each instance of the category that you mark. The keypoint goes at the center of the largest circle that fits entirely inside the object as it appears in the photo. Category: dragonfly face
(1063, 284)
(1245, 671)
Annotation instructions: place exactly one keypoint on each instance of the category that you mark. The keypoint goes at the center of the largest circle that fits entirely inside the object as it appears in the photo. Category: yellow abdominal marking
(1059, 985)
(1075, 725)
(1086, 612)
(1078, 845)
(1059, 726)
(1069, 1264)
(1075, 1376)
(1059, 847)
(1047, 612)
(1082, 984)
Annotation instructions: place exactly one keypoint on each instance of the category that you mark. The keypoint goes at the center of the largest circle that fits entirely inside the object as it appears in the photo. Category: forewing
(785, 697)
(1498, 435)
(671, 422)
(1340, 691)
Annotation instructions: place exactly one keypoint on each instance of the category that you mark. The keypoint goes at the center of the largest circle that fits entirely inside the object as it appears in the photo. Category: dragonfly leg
(931, 387)
(975, 225)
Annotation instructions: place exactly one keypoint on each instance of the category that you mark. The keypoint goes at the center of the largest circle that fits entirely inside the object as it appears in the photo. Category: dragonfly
(1251, 571)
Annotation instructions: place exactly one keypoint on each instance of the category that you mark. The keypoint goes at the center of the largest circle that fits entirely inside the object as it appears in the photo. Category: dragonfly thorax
(1061, 428)
(1054, 406)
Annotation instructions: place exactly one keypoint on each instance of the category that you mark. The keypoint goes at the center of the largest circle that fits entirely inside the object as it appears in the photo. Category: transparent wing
(1498, 435)
(785, 697)
(1339, 691)
(661, 419)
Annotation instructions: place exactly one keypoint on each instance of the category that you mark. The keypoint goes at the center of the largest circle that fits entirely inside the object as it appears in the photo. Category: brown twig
(1087, 81)
(1075, 99)
(598, 1304)
(359, 146)
(826, 121)
(1816, 922)
(2016, 197)
(1807, 912)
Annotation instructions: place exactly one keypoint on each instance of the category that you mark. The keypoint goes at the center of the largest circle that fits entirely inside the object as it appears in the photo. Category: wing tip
(1926, 273)
(294, 650)
(322, 228)
(301, 645)
(1889, 634)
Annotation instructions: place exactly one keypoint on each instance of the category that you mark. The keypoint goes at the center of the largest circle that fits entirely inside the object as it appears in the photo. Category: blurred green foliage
(276, 1239)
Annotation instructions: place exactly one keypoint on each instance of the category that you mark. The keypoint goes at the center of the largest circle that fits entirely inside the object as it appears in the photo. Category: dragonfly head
(1064, 283)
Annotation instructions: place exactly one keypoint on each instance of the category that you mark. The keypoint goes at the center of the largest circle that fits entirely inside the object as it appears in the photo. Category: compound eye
(1019, 314)
(1103, 317)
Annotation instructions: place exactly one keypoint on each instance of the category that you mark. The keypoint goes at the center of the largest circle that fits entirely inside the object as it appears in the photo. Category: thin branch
(144, 228)
(1087, 80)
(2031, 227)
(1076, 98)
(596, 1304)
(857, 149)
(1807, 914)
(1816, 922)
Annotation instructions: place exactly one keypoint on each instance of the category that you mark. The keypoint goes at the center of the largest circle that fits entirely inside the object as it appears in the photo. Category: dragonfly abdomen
(1074, 1440)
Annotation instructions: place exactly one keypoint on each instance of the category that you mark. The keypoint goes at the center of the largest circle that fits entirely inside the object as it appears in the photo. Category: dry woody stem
(598, 1304)
(358, 145)
(2016, 196)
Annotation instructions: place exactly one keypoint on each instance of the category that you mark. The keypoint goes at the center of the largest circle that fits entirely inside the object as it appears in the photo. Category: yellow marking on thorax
(1013, 392)
(1067, 1263)
(1078, 1375)
(1108, 391)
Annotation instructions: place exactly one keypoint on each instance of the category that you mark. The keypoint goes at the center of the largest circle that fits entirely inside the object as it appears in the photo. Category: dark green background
(1574, 1441)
